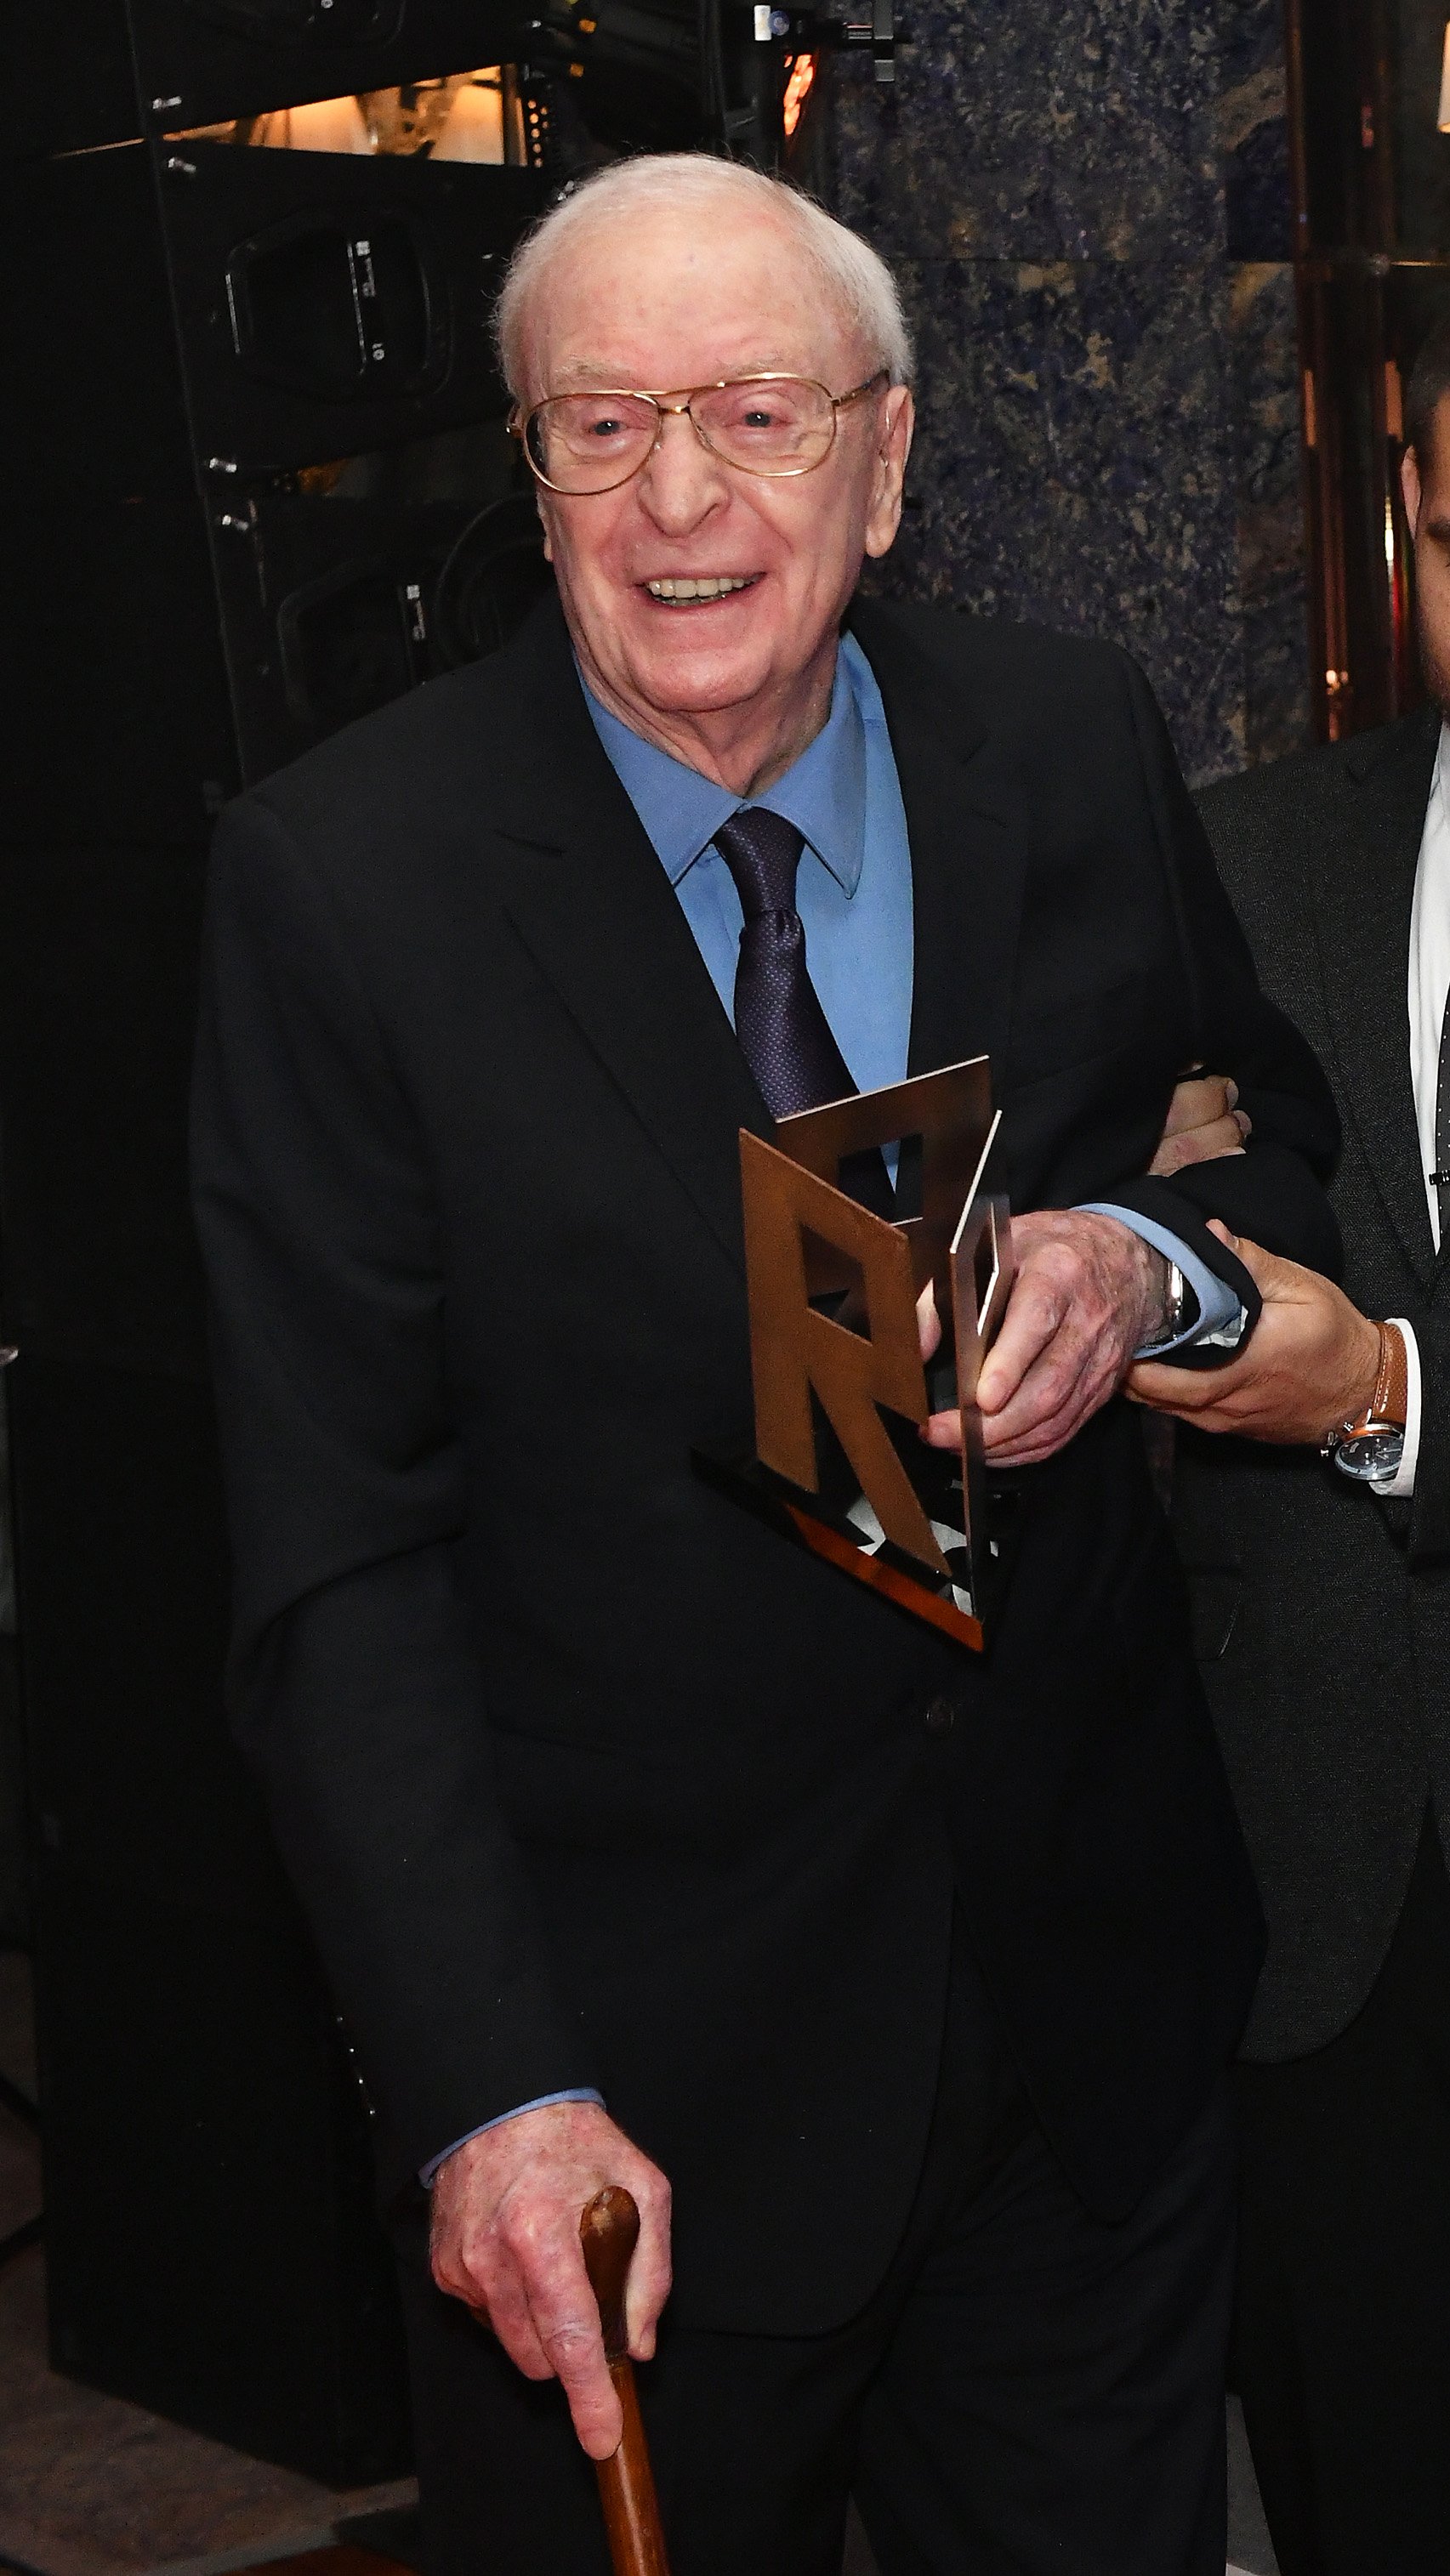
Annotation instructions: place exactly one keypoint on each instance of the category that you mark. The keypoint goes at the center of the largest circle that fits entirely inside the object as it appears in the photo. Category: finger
(1044, 1442)
(942, 1431)
(1080, 1364)
(928, 1322)
(650, 2272)
(507, 2316)
(1045, 1412)
(1274, 1277)
(1181, 1391)
(1199, 1145)
(1197, 1103)
(583, 2374)
(566, 2321)
(1034, 1315)
(1017, 1439)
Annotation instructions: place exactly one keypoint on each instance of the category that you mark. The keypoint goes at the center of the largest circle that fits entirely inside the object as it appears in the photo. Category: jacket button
(941, 1717)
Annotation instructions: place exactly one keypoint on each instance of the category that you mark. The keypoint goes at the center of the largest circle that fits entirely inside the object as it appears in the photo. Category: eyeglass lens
(586, 442)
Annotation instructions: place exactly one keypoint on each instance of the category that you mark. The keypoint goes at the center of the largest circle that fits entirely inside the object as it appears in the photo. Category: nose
(683, 481)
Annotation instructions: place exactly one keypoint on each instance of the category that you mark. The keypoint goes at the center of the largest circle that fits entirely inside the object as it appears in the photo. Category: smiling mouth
(690, 593)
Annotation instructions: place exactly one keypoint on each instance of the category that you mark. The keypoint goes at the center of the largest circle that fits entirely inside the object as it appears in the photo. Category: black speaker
(188, 465)
(326, 304)
(256, 418)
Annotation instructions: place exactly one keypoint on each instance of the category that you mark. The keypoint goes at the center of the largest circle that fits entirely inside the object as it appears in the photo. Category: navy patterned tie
(778, 1017)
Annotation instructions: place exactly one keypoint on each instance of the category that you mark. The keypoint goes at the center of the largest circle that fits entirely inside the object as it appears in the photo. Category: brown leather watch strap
(1391, 1399)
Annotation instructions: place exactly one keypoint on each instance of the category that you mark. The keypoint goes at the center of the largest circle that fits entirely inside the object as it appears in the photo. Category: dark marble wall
(1103, 439)
(1253, 133)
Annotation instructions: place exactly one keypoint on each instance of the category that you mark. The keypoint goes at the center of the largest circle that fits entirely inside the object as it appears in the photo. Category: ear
(898, 419)
(1411, 487)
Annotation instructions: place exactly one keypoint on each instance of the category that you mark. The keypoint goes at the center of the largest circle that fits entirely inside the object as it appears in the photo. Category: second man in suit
(1321, 1573)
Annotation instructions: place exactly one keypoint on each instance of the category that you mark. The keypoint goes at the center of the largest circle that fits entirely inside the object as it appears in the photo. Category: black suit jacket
(584, 1776)
(1323, 1614)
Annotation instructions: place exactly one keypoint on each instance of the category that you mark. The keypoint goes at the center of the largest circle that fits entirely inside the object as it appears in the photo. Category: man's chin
(684, 678)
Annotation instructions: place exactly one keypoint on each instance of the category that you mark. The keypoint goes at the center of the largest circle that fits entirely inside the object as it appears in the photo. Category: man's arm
(355, 1682)
(1089, 1292)
(1272, 1192)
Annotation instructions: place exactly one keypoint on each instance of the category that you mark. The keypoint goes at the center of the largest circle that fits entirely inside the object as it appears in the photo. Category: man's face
(1426, 484)
(661, 304)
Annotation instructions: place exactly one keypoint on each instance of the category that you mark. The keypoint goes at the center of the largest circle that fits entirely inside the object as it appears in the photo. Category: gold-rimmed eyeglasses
(774, 425)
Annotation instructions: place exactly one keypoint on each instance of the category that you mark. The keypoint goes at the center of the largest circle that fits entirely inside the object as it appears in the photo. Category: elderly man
(642, 1848)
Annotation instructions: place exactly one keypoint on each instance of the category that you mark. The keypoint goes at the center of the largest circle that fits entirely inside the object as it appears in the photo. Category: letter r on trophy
(835, 1264)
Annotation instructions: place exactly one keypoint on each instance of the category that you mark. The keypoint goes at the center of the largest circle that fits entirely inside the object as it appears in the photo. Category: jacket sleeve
(354, 1684)
(1273, 1192)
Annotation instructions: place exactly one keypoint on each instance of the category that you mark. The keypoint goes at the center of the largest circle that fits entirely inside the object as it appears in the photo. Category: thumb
(1271, 1276)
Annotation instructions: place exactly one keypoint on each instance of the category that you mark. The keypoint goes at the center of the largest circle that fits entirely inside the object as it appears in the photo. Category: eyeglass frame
(518, 425)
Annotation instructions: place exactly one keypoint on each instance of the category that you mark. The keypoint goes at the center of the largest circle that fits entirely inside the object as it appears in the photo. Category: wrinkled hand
(1311, 1362)
(1088, 1292)
(1203, 1122)
(506, 2211)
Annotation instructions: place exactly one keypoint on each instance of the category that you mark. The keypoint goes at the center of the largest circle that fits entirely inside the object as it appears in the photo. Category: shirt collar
(823, 793)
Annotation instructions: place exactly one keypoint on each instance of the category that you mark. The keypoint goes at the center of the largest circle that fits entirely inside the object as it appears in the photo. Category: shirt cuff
(1401, 1485)
(584, 2093)
(1221, 1317)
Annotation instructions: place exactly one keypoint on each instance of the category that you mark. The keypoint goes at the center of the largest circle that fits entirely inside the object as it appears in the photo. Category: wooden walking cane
(609, 2232)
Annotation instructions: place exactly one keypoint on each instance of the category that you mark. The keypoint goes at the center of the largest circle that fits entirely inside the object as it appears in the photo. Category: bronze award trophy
(840, 1385)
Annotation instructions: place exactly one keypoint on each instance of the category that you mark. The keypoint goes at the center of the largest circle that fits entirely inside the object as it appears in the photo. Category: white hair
(854, 275)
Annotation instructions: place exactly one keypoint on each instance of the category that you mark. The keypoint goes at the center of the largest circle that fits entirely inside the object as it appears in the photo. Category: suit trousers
(1029, 2392)
(1342, 2333)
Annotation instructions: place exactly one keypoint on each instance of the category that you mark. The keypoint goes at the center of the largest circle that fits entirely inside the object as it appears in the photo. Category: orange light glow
(802, 73)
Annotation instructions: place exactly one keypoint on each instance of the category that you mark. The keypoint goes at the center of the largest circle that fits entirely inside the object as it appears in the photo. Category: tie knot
(762, 852)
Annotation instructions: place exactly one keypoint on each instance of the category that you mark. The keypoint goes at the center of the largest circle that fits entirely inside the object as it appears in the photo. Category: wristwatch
(1372, 1447)
(1175, 1300)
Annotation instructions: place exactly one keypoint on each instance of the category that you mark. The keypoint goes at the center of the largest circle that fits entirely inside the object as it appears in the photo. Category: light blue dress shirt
(853, 890)
(853, 894)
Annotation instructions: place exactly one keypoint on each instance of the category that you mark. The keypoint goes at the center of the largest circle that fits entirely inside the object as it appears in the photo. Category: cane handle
(609, 2233)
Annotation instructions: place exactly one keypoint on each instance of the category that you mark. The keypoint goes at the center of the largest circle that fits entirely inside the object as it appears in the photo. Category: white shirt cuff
(1401, 1485)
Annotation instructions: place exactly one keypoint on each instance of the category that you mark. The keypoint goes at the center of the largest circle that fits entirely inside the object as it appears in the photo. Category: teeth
(714, 587)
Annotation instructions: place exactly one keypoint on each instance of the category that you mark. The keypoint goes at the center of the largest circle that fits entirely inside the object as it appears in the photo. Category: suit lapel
(968, 855)
(1363, 899)
(587, 894)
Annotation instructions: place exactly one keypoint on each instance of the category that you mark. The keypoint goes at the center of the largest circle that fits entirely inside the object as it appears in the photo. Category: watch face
(1371, 1455)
